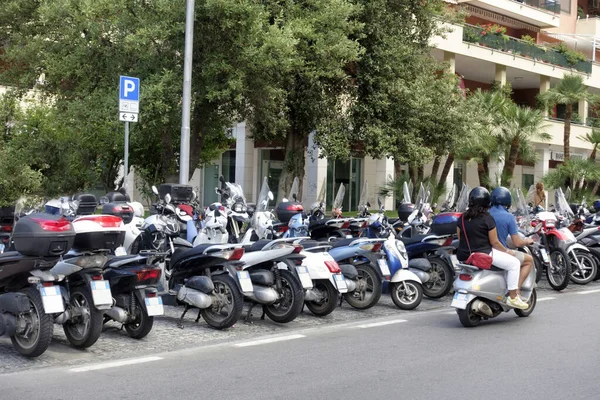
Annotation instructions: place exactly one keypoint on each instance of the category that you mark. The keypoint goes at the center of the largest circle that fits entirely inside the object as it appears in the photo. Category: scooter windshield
(562, 206)
(323, 192)
(362, 201)
(236, 192)
(339, 198)
(295, 189)
(463, 198)
(450, 198)
(522, 212)
(262, 203)
(406, 194)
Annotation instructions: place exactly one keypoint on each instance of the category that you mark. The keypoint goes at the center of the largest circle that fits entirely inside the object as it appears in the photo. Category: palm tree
(519, 125)
(571, 90)
(594, 139)
(574, 170)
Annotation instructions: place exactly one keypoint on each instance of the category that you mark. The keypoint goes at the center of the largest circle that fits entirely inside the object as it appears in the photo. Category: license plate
(245, 282)
(340, 282)
(52, 300)
(154, 305)
(545, 255)
(2, 247)
(460, 300)
(304, 277)
(383, 266)
(101, 293)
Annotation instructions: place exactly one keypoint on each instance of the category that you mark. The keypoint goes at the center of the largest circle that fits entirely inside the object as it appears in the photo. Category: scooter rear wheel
(289, 306)
(367, 277)
(228, 311)
(467, 317)
(442, 277)
(83, 330)
(329, 302)
(42, 327)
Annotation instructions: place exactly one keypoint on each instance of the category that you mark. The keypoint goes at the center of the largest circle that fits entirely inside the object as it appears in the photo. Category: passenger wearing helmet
(506, 225)
(478, 235)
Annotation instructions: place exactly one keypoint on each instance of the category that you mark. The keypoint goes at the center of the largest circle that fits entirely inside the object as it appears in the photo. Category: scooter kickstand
(262, 317)
(199, 315)
(249, 314)
(180, 322)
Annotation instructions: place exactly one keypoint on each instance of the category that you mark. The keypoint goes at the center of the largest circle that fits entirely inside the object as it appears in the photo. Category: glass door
(211, 181)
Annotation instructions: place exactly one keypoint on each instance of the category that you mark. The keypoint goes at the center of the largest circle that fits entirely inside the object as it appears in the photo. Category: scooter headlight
(401, 248)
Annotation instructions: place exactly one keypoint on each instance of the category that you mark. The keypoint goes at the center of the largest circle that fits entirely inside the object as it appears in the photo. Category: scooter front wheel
(532, 302)
(589, 268)
(407, 295)
(559, 270)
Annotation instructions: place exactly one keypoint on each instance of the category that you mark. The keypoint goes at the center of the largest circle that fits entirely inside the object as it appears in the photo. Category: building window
(271, 166)
(527, 181)
(459, 176)
(349, 173)
(228, 166)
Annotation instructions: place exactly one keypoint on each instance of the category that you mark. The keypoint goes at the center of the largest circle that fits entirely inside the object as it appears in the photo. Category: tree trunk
(397, 168)
(293, 165)
(486, 166)
(593, 153)
(567, 137)
(483, 177)
(511, 161)
(420, 172)
(445, 171)
(435, 168)
(595, 189)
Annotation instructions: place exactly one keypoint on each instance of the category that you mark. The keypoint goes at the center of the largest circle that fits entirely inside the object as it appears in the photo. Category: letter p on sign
(129, 88)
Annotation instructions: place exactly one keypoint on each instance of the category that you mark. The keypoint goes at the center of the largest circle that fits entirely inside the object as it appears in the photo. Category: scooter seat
(342, 242)
(10, 256)
(413, 240)
(182, 252)
(257, 246)
(349, 271)
(309, 244)
(119, 259)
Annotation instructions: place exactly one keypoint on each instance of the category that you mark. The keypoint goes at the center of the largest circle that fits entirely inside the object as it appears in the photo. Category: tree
(575, 170)
(594, 139)
(569, 91)
(519, 125)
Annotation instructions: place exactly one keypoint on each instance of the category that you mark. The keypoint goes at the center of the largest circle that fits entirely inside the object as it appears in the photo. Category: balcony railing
(549, 5)
(473, 34)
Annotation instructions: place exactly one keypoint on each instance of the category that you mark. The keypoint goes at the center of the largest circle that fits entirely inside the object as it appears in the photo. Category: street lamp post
(184, 152)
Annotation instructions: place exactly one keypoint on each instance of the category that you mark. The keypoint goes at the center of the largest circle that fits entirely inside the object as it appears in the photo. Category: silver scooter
(481, 294)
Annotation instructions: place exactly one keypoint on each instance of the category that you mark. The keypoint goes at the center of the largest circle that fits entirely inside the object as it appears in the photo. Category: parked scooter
(29, 295)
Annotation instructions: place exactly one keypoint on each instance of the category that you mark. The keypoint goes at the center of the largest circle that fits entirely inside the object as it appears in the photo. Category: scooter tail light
(59, 225)
(5, 228)
(377, 247)
(465, 277)
(448, 241)
(237, 254)
(297, 249)
(333, 267)
(346, 225)
(105, 221)
(48, 284)
(148, 275)
(97, 277)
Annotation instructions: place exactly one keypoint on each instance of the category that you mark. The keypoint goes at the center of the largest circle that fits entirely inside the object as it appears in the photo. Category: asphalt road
(553, 354)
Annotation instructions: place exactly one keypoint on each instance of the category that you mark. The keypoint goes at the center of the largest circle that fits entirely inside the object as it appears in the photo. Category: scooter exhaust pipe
(118, 314)
(194, 297)
(481, 308)
(312, 294)
(264, 294)
(351, 285)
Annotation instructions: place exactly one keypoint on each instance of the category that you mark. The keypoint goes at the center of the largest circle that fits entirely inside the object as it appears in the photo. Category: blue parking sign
(129, 88)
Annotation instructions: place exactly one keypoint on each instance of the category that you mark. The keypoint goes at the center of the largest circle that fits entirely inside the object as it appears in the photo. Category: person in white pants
(476, 230)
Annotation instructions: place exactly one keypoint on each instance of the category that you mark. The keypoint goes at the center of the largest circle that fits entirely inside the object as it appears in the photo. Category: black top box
(287, 209)
(179, 193)
(43, 235)
(87, 203)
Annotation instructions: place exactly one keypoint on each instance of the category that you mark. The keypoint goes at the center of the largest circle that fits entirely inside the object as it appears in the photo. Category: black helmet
(479, 197)
(501, 197)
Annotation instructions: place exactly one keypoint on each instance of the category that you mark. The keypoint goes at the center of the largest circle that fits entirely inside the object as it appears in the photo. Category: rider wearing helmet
(506, 225)
(476, 230)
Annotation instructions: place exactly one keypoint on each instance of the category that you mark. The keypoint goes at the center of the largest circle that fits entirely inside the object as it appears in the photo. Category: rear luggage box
(86, 203)
(445, 223)
(43, 235)
(287, 209)
(122, 210)
(98, 232)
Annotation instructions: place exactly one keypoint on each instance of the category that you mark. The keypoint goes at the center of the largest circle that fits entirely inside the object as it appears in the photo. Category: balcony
(556, 129)
(588, 26)
(510, 45)
(540, 13)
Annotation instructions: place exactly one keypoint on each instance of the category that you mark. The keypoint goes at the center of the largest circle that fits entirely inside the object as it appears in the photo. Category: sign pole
(184, 151)
(126, 160)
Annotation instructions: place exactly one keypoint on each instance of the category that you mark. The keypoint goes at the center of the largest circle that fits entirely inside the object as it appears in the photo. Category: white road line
(115, 364)
(450, 313)
(546, 298)
(374, 324)
(270, 340)
(589, 291)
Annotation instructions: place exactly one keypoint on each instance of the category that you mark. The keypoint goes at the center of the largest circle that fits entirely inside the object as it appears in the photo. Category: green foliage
(17, 178)
(528, 39)
(576, 171)
(573, 56)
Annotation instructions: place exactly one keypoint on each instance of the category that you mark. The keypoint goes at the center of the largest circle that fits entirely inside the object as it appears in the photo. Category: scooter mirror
(295, 197)
(194, 195)
(271, 195)
(154, 190)
(103, 200)
(217, 190)
(222, 179)
(167, 198)
(368, 204)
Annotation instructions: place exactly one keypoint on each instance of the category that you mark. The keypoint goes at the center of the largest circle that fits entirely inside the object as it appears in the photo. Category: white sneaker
(517, 303)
